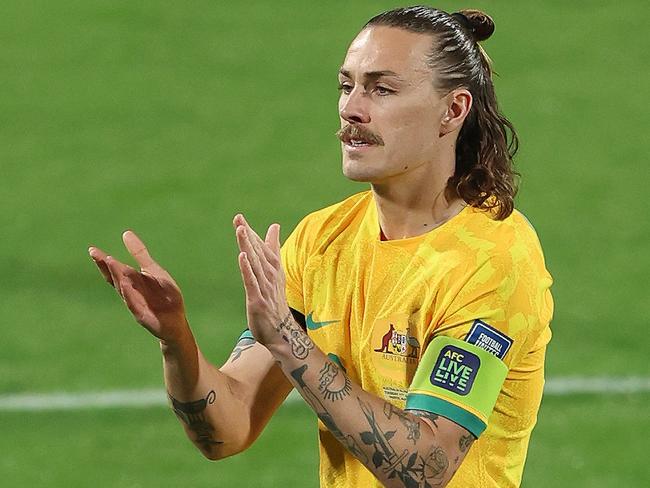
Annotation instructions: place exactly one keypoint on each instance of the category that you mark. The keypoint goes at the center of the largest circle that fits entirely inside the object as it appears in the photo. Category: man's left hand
(260, 265)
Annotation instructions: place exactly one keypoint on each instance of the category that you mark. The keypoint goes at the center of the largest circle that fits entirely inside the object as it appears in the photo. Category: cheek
(416, 133)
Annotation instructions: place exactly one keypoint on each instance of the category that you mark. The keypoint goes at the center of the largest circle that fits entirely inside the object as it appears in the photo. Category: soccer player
(413, 318)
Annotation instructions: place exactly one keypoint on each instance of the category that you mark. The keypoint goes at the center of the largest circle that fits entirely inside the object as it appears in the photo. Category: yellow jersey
(396, 315)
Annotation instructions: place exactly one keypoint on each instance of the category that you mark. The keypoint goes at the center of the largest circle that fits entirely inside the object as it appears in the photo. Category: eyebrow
(372, 75)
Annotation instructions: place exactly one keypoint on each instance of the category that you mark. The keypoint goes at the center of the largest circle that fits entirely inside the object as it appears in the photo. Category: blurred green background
(169, 118)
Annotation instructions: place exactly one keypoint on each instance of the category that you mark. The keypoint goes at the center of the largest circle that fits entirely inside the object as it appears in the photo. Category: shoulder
(509, 241)
(500, 279)
(501, 258)
(334, 214)
(323, 226)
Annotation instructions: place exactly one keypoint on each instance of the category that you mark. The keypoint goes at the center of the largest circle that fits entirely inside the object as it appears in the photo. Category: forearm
(201, 397)
(398, 447)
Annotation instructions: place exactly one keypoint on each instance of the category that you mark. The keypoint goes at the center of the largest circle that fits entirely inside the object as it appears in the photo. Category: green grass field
(169, 118)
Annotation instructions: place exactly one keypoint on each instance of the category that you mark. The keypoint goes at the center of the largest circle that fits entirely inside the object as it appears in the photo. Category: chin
(359, 171)
(363, 170)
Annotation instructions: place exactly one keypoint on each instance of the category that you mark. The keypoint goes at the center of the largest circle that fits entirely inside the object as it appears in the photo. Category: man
(413, 317)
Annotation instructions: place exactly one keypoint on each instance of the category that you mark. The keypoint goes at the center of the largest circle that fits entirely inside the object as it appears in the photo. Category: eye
(383, 91)
(345, 88)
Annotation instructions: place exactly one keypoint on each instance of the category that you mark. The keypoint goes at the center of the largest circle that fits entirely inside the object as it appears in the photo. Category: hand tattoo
(299, 341)
(193, 415)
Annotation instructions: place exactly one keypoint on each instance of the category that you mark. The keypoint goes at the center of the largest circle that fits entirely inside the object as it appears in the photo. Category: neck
(413, 203)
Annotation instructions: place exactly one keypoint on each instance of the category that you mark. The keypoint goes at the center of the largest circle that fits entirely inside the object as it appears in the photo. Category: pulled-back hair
(484, 176)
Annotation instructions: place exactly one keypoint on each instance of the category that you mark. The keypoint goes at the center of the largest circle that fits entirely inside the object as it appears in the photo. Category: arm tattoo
(412, 425)
(242, 345)
(432, 417)
(193, 415)
(413, 469)
(434, 466)
(465, 442)
(299, 341)
(324, 415)
(333, 383)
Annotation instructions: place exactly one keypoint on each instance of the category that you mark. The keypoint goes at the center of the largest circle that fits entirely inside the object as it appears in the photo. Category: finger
(272, 252)
(237, 220)
(256, 241)
(253, 258)
(268, 261)
(272, 238)
(137, 249)
(242, 222)
(117, 270)
(113, 270)
(99, 258)
(251, 285)
(134, 301)
(276, 243)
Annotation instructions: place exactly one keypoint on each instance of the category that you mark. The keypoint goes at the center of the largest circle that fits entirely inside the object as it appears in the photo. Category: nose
(353, 107)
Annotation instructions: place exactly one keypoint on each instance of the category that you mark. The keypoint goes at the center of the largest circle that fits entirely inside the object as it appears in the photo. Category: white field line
(155, 397)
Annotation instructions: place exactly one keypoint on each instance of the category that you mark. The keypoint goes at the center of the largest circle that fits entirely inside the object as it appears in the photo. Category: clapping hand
(260, 265)
(151, 294)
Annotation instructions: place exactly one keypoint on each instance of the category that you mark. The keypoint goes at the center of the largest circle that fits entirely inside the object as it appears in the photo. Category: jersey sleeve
(492, 320)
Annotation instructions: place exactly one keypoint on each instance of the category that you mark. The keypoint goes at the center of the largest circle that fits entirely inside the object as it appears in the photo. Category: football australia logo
(395, 351)
(401, 344)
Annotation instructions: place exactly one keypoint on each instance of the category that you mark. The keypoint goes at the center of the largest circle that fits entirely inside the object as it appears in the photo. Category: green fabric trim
(334, 358)
(247, 334)
(462, 373)
(448, 410)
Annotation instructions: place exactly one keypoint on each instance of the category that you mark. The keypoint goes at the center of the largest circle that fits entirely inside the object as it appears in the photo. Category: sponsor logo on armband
(488, 338)
(455, 370)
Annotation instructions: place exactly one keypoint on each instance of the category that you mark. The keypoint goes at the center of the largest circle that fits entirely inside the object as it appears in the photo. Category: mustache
(355, 132)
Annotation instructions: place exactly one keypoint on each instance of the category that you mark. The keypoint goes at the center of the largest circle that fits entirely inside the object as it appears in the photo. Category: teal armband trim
(459, 381)
(247, 334)
(448, 410)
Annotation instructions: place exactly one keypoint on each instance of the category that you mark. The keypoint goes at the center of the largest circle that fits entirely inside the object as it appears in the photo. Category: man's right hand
(151, 294)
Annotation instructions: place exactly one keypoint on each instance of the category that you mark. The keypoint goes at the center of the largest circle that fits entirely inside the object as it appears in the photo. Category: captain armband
(459, 381)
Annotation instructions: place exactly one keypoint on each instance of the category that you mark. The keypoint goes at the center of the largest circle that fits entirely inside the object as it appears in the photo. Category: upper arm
(459, 381)
(492, 320)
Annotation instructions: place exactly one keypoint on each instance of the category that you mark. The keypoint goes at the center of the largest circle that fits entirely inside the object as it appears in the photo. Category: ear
(459, 103)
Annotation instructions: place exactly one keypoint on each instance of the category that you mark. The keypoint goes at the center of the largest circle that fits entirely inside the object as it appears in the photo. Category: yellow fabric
(376, 305)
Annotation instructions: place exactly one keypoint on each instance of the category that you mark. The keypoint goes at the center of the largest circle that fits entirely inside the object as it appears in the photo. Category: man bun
(477, 22)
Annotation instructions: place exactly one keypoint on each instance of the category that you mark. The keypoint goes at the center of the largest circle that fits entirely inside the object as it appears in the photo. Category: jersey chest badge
(395, 349)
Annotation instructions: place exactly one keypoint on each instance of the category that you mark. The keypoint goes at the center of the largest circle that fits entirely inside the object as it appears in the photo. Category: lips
(356, 140)
(358, 143)
(356, 137)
